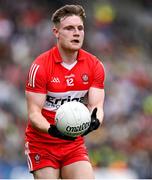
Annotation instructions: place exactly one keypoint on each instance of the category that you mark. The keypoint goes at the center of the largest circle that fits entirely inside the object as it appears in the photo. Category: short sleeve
(36, 78)
(99, 75)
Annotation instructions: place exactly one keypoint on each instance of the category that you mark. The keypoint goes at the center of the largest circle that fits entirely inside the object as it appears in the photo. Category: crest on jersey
(85, 78)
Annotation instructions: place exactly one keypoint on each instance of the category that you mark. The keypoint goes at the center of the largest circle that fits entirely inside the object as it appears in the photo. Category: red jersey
(61, 83)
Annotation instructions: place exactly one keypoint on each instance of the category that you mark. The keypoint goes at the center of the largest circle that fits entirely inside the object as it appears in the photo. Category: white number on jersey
(70, 81)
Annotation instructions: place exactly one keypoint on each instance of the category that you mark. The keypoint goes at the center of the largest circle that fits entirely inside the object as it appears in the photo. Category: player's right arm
(36, 96)
(35, 102)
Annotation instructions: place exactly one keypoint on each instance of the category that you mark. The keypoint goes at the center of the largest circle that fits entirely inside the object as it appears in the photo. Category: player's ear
(55, 32)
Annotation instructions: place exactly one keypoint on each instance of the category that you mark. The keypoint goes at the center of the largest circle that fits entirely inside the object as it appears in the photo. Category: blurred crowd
(117, 32)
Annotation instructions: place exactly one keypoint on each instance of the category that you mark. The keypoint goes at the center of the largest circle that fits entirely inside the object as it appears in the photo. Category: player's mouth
(75, 41)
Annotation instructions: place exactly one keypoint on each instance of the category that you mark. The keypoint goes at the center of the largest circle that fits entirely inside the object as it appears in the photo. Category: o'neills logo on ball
(78, 128)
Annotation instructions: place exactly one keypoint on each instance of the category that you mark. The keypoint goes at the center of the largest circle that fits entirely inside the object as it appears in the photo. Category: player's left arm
(96, 97)
(96, 92)
(96, 100)
(95, 105)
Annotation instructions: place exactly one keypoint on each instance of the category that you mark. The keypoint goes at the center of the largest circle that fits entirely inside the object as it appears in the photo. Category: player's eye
(80, 28)
(69, 28)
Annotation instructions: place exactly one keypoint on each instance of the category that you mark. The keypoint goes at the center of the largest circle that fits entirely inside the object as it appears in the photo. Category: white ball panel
(73, 118)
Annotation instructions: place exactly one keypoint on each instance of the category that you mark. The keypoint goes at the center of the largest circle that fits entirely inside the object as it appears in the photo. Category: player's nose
(76, 31)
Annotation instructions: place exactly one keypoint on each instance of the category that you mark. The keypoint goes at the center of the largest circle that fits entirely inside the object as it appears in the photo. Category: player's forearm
(39, 122)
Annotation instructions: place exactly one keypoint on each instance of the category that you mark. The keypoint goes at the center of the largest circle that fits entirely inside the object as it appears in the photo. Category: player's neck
(68, 57)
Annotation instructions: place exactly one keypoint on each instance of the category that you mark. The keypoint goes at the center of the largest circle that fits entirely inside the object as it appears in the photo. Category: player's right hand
(53, 131)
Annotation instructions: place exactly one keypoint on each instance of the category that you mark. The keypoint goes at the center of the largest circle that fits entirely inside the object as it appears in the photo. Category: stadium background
(120, 33)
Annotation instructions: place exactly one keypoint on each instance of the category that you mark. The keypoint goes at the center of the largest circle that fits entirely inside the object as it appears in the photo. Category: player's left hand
(95, 123)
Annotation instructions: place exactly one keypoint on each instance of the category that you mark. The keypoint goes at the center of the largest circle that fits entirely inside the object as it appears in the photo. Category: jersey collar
(58, 59)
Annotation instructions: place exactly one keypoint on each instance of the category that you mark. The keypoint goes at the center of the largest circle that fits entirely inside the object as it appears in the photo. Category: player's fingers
(94, 112)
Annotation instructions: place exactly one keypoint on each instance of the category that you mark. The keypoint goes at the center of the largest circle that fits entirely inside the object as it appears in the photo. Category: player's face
(70, 33)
